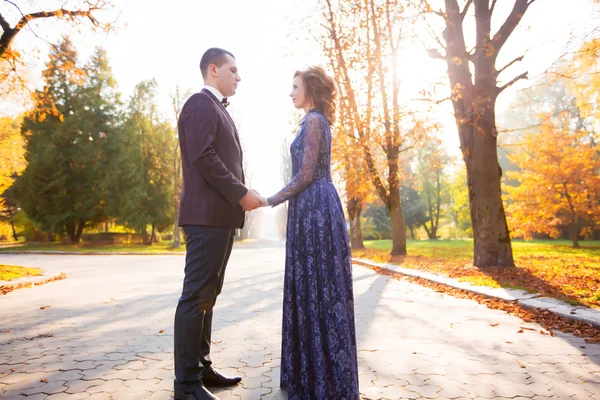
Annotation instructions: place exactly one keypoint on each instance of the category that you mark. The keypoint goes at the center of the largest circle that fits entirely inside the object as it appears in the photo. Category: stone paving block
(79, 386)
(509, 389)
(100, 396)
(65, 376)
(68, 396)
(47, 388)
(226, 395)
(37, 396)
(81, 365)
(250, 394)
(428, 391)
(137, 385)
(161, 395)
(112, 386)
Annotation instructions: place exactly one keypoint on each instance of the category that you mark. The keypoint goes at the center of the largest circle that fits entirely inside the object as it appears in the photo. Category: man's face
(226, 76)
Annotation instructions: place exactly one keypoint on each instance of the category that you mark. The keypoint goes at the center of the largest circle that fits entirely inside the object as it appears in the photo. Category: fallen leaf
(44, 307)
(543, 333)
(509, 342)
(529, 329)
(161, 331)
(520, 365)
(520, 331)
(44, 380)
(13, 370)
(496, 324)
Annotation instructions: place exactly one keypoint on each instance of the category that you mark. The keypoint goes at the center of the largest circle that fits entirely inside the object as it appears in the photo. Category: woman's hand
(263, 200)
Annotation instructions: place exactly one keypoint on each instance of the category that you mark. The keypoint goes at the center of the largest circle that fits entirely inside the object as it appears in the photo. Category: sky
(165, 40)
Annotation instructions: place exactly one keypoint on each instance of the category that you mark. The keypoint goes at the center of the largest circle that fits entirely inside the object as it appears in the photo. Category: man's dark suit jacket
(211, 154)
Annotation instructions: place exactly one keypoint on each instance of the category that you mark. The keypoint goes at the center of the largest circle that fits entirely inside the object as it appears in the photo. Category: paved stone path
(106, 332)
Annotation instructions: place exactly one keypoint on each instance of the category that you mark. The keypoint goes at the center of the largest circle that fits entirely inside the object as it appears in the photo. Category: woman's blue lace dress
(318, 357)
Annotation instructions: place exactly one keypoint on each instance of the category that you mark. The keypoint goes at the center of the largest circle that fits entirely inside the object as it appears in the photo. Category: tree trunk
(354, 207)
(79, 231)
(492, 245)
(71, 231)
(12, 224)
(145, 237)
(411, 229)
(435, 223)
(176, 184)
(429, 234)
(574, 234)
(153, 238)
(398, 229)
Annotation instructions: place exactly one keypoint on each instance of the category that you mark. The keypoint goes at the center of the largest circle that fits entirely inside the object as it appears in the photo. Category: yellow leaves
(12, 151)
(558, 183)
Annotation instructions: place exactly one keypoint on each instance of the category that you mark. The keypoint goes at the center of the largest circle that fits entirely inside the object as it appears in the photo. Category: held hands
(252, 200)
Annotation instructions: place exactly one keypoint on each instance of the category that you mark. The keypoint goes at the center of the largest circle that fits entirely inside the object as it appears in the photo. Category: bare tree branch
(492, 8)
(466, 9)
(518, 59)
(9, 33)
(522, 76)
(510, 24)
(5, 26)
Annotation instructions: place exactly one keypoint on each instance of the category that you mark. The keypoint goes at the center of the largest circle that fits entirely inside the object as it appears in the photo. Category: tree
(11, 59)
(376, 224)
(64, 143)
(459, 203)
(9, 210)
(177, 99)
(348, 163)
(432, 184)
(12, 152)
(142, 183)
(474, 79)
(414, 210)
(559, 184)
(362, 39)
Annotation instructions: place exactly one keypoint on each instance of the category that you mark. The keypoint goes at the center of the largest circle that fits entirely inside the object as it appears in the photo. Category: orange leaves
(559, 184)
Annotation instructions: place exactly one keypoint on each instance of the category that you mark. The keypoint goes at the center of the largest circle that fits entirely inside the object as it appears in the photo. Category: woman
(318, 358)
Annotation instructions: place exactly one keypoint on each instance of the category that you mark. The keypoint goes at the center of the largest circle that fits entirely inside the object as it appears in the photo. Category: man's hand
(250, 201)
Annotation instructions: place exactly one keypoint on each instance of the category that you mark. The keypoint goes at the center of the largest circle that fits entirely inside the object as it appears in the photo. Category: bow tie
(225, 102)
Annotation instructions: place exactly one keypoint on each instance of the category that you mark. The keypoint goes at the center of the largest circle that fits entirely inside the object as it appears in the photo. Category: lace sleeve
(313, 134)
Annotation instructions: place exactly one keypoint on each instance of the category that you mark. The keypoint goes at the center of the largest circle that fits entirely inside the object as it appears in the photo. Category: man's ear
(212, 69)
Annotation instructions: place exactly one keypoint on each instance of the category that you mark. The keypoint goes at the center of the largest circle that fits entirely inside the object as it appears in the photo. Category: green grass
(11, 272)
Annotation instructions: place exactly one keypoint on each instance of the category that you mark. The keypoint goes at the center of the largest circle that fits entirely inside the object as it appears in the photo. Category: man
(213, 201)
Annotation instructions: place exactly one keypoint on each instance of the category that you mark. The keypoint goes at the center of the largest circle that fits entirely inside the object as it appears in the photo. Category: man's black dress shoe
(213, 378)
(199, 394)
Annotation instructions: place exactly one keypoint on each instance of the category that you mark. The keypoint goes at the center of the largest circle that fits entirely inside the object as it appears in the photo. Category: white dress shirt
(214, 91)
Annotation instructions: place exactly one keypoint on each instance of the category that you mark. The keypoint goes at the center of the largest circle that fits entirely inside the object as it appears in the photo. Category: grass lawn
(10, 272)
(549, 267)
(161, 247)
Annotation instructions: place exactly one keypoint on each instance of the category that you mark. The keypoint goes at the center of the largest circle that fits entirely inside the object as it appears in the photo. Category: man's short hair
(215, 56)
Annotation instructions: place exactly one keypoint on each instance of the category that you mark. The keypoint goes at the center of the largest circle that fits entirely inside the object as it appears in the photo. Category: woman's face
(298, 93)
